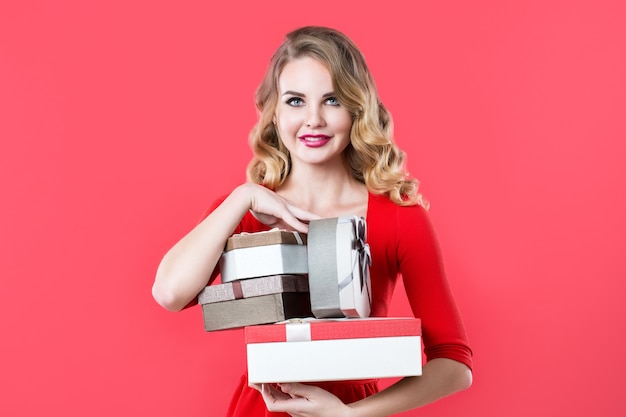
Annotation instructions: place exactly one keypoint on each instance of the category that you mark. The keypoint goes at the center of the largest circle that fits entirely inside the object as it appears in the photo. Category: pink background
(120, 121)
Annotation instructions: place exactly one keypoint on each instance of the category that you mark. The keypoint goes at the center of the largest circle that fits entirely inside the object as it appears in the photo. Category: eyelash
(291, 101)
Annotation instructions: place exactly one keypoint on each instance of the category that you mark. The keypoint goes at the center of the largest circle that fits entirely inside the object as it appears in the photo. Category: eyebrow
(295, 93)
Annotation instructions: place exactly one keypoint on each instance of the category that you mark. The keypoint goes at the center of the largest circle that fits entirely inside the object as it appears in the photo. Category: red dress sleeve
(429, 294)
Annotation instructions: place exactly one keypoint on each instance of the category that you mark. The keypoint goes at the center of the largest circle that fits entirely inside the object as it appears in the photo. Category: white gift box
(273, 252)
(338, 264)
(334, 350)
(259, 261)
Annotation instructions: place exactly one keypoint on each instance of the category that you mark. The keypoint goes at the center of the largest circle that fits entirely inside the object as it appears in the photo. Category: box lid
(324, 329)
(270, 237)
(253, 287)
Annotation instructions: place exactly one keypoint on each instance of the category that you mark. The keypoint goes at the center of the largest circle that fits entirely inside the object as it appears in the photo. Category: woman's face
(312, 124)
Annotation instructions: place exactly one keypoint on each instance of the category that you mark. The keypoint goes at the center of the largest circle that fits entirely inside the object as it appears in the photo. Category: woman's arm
(440, 378)
(185, 269)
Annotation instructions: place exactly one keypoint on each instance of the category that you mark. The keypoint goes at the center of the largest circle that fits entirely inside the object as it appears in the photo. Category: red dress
(402, 243)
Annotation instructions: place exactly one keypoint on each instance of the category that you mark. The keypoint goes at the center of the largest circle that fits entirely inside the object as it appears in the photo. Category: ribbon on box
(298, 330)
(365, 256)
(363, 260)
(237, 291)
(327, 240)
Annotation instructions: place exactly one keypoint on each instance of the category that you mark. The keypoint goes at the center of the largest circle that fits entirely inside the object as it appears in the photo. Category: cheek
(285, 129)
(343, 123)
(288, 123)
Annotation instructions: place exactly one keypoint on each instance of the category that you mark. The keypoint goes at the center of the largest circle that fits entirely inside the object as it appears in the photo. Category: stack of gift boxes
(304, 301)
(264, 280)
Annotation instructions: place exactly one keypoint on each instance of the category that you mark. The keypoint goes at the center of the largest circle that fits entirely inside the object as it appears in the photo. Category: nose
(315, 118)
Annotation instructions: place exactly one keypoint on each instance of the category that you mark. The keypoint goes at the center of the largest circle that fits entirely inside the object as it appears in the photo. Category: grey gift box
(339, 260)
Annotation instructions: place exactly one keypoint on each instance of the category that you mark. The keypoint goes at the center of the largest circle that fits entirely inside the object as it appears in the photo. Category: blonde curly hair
(372, 156)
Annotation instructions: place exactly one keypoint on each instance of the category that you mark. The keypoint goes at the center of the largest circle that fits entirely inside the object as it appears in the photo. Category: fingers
(269, 393)
(300, 400)
(298, 390)
(274, 210)
(302, 214)
(294, 216)
(285, 221)
(278, 401)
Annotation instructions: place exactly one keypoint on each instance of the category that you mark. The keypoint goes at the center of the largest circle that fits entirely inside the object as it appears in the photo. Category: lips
(314, 141)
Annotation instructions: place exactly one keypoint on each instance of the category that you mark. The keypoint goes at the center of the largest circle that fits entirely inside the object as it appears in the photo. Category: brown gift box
(264, 309)
(270, 237)
(255, 301)
(253, 287)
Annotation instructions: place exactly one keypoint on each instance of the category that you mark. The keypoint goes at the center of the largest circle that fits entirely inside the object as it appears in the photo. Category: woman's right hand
(274, 210)
(187, 267)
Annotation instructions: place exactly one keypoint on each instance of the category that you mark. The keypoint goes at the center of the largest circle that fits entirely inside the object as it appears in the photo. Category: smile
(314, 141)
(314, 138)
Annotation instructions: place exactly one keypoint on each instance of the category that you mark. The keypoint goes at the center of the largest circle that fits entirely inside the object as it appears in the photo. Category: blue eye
(295, 101)
(332, 101)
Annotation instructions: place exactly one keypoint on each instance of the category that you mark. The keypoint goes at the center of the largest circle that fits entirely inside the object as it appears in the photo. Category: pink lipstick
(314, 141)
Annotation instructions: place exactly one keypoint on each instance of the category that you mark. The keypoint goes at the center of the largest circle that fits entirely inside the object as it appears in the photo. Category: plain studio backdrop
(121, 121)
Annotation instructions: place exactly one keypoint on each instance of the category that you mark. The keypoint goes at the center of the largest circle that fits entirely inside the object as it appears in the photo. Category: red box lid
(328, 329)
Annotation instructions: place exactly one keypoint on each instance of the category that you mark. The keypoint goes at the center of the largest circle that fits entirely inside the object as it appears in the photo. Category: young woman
(323, 148)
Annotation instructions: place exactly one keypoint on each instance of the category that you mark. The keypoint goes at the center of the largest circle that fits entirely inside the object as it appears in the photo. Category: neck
(327, 191)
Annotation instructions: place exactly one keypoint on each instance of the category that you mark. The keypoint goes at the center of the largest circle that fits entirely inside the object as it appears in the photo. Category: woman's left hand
(300, 400)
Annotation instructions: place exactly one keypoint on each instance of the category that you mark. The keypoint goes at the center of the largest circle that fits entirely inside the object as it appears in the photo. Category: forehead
(305, 72)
